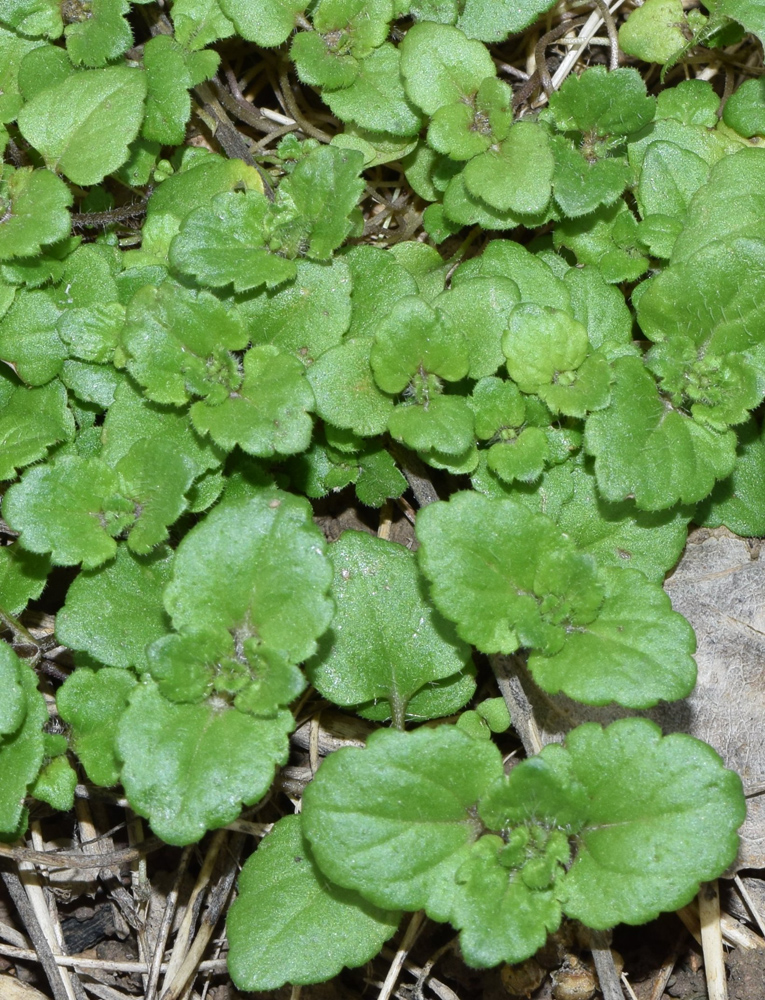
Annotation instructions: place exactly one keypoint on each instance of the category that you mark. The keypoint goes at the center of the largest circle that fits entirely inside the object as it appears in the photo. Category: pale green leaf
(191, 768)
(269, 413)
(256, 565)
(34, 207)
(224, 243)
(177, 343)
(91, 703)
(112, 613)
(289, 925)
(385, 642)
(83, 125)
(393, 821)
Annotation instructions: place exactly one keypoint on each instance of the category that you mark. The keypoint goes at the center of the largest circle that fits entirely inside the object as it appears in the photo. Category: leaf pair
(509, 578)
(610, 827)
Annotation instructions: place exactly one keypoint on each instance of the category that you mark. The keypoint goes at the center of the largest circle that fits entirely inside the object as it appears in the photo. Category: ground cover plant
(536, 311)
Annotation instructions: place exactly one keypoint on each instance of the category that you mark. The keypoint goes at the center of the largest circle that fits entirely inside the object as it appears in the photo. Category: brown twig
(507, 672)
(43, 950)
(532, 83)
(79, 859)
(613, 35)
(214, 907)
(167, 920)
(292, 106)
(603, 957)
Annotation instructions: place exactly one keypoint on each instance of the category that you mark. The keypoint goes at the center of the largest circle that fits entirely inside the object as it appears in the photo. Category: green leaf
(265, 22)
(693, 102)
(199, 662)
(33, 17)
(618, 534)
(23, 576)
(132, 418)
(256, 565)
(739, 501)
(268, 413)
(440, 65)
(97, 32)
(469, 126)
(414, 340)
(502, 918)
(646, 448)
(83, 125)
(498, 406)
(441, 424)
(315, 200)
(199, 23)
(324, 61)
(654, 32)
(385, 642)
(480, 307)
(192, 187)
(651, 836)
(728, 207)
(377, 281)
(636, 652)
(34, 211)
(516, 175)
(749, 13)
(376, 99)
(362, 24)
(224, 243)
(31, 421)
(305, 317)
(436, 700)
(91, 703)
(12, 51)
(289, 925)
(112, 613)
(505, 576)
(606, 238)
(190, 768)
(745, 108)
(13, 707)
(670, 177)
(43, 67)
(705, 315)
(534, 278)
(21, 747)
(154, 478)
(346, 394)
(521, 457)
(55, 784)
(29, 341)
(177, 343)
(394, 821)
(379, 478)
(70, 508)
(603, 103)
(541, 344)
(581, 181)
(601, 308)
(494, 20)
(92, 332)
(168, 105)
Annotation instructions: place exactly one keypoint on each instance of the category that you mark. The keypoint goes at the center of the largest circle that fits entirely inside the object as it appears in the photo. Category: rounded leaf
(256, 565)
(393, 821)
(288, 924)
